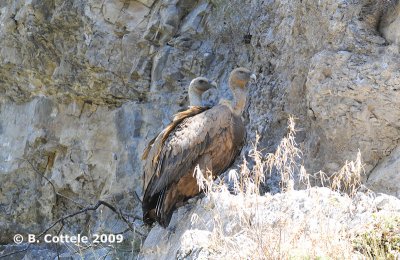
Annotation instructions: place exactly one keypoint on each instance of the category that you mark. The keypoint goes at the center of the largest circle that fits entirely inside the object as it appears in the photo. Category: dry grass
(250, 232)
(284, 160)
(348, 178)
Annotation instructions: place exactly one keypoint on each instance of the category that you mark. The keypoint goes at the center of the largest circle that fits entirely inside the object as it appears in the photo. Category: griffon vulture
(151, 153)
(211, 139)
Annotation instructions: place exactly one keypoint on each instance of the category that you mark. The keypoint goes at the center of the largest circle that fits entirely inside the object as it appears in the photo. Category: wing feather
(181, 150)
(152, 151)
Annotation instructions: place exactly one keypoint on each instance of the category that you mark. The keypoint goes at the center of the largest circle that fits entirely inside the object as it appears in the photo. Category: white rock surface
(315, 222)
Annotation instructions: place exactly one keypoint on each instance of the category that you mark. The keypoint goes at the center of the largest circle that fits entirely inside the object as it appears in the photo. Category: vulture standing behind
(211, 139)
(196, 89)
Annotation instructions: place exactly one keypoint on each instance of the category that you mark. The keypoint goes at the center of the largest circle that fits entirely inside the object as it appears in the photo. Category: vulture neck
(239, 100)
(194, 98)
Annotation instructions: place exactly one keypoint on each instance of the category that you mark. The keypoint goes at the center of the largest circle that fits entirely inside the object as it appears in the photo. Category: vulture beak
(213, 84)
(253, 77)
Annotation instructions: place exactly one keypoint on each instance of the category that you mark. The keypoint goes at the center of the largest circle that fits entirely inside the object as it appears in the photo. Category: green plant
(382, 241)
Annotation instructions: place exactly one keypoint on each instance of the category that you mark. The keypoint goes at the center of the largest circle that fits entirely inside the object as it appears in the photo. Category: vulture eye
(201, 81)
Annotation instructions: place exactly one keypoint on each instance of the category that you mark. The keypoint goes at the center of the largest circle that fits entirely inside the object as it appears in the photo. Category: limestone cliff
(85, 84)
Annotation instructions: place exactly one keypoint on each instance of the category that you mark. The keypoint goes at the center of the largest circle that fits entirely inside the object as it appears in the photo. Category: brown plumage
(178, 118)
(151, 153)
(157, 142)
(211, 139)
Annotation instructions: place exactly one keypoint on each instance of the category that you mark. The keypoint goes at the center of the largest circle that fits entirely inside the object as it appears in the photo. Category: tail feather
(155, 209)
(160, 202)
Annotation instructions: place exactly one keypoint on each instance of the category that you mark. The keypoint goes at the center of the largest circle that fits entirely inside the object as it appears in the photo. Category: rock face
(389, 25)
(85, 84)
(55, 158)
(385, 177)
(351, 95)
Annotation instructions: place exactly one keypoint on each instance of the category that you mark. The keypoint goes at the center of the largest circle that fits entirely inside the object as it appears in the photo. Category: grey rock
(352, 98)
(389, 25)
(385, 177)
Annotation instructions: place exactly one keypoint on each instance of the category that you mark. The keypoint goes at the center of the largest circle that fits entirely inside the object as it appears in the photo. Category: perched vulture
(211, 139)
(151, 153)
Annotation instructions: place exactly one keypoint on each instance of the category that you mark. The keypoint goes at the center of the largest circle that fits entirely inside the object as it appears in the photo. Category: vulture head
(238, 80)
(197, 87)
(240, 77)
